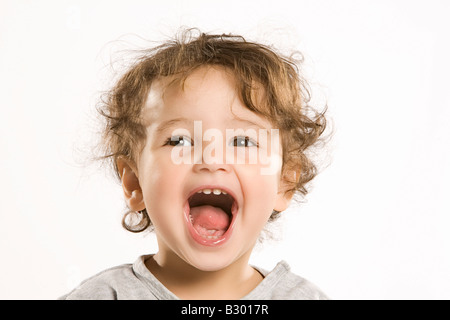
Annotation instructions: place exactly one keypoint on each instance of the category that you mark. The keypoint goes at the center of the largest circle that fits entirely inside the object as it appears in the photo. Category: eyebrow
(251, 123)
(170, 123)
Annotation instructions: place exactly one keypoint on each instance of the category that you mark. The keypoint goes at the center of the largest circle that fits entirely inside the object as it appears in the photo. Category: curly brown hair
(254, 65)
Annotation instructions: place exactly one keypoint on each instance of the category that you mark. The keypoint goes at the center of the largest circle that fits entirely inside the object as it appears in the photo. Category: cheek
(260, 184)
(260, 195)
(161, 183)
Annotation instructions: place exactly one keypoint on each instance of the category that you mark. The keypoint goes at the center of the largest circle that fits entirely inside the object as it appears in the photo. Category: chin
(211, 261)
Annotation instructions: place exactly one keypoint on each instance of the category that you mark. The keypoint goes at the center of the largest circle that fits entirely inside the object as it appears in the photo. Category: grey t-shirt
(136, 282)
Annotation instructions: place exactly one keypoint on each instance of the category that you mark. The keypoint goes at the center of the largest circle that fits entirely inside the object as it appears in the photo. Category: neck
(188, 282)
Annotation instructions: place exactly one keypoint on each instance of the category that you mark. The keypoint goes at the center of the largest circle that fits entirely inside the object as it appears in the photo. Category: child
(207, 135)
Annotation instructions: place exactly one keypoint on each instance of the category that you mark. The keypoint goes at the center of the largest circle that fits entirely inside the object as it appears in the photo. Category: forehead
(206, 91)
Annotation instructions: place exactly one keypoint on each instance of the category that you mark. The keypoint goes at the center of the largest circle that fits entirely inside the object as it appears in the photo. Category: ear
(283, 200)
(284, 196)
(130, 184)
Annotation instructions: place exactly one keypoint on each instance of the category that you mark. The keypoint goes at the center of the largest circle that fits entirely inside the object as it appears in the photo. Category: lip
(194, 234)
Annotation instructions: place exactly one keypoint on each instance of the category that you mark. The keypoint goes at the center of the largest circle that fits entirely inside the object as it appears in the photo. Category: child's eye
(179, 141)
(241, 141)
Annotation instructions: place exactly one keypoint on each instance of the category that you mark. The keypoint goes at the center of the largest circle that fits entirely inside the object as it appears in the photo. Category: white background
(376, 223)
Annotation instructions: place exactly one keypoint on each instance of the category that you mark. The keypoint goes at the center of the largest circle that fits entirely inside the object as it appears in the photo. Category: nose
(212, 158)
(211, 167)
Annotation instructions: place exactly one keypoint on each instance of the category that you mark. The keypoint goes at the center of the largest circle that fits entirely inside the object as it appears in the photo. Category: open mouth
(210, 214)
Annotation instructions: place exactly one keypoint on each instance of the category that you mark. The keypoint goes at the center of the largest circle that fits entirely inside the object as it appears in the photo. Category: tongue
(210, 218)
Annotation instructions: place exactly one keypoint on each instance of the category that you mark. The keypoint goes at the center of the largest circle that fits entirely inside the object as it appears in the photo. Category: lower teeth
(207, 233)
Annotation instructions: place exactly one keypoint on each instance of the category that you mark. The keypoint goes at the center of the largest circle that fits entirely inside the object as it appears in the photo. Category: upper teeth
(215, 191)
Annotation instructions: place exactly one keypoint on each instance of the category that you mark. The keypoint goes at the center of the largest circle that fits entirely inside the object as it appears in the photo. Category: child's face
(170, 171)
